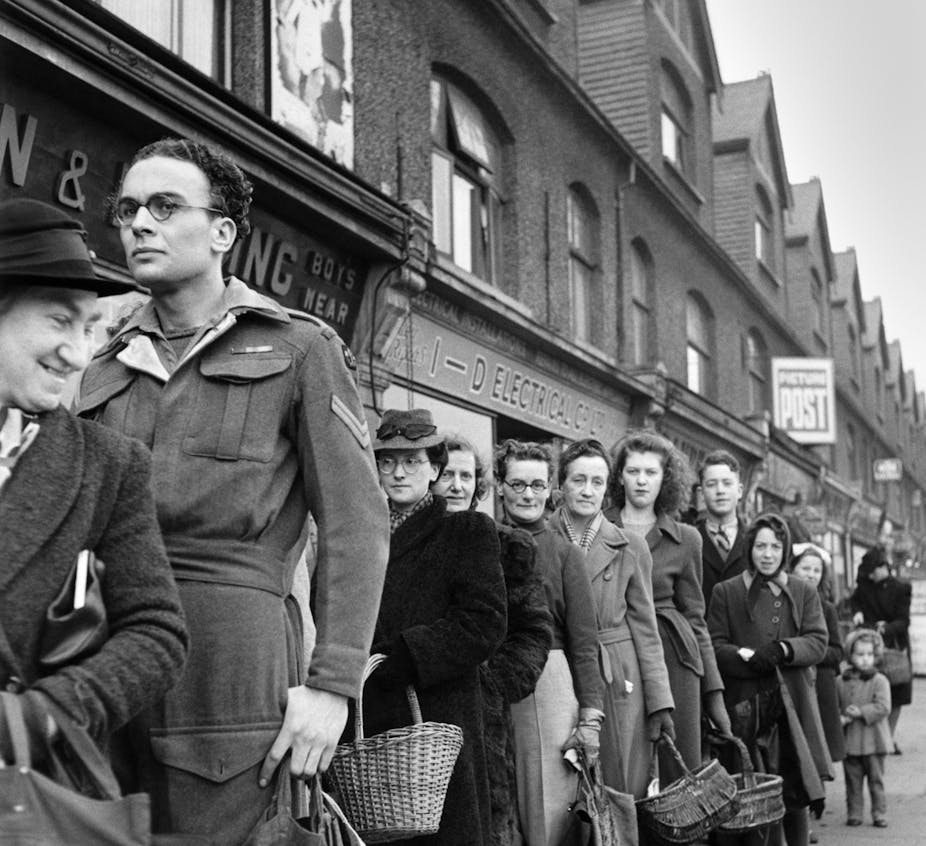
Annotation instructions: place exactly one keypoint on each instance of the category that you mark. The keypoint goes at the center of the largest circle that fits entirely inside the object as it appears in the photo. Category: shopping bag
(36, 809)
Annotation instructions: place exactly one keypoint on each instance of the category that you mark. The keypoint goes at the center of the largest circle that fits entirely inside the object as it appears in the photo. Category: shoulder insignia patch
(349, 358)
(358, 428)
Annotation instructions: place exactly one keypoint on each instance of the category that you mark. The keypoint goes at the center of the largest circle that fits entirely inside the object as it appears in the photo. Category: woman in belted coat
(650, 483)
(442, 614)
(68, 486)
(762, 623)
(638, 698)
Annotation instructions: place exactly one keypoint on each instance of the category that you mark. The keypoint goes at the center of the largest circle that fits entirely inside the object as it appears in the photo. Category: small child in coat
(864, 703)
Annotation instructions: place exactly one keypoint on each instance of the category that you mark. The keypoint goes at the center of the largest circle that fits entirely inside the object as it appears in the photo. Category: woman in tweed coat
(68, 485)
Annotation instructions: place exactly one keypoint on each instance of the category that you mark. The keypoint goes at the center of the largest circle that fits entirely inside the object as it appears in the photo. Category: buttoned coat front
(620, 567)
(257, 425)
(80, 486)
(689, 654)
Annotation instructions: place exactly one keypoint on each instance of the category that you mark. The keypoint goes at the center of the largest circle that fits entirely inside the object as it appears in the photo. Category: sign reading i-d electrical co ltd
(805, 399)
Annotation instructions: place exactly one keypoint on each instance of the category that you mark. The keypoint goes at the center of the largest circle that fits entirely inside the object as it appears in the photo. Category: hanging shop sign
(804, 399)
(465, 367)
(887, 470)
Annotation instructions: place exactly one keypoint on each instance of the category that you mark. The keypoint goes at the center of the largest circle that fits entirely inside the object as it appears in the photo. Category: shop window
(641, 282)
(699, 345)
(193, 29)
(756, 356)
(582, 228)
(816, 300)
(465, 183)
(676, 122)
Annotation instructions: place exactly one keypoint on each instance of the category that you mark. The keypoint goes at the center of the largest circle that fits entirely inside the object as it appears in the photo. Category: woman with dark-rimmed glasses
(442, 614)
(565, 709)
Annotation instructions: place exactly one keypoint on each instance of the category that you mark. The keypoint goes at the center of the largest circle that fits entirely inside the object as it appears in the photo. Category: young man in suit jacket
(722, 529)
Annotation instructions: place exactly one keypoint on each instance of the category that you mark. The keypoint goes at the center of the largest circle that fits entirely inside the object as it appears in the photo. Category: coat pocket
(240, 405)
(101, 384)
(215, 753)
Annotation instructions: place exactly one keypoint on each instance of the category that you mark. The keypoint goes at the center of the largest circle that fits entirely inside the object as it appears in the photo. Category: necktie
(721, 541)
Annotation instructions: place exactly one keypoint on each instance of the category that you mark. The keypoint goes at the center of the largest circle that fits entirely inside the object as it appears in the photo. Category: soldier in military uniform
(253, 417)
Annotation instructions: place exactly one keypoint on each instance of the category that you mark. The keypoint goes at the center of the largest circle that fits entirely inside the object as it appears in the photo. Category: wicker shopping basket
(392, 786)
(690, 806)
(758, 794)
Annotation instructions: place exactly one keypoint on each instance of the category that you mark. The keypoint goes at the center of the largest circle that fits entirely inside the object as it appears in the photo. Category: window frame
(457, 133)
(582, 219)
(756, 360)
(641, 311)
(699, 351)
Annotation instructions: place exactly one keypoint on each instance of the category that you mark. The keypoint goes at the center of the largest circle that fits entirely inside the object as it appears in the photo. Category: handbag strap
(16, 726)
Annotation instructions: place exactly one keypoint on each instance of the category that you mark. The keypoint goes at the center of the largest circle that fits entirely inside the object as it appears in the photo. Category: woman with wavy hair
(650, 485)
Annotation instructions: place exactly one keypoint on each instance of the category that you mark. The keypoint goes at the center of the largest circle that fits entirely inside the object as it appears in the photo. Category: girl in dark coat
(68, 487)
(442, 614)
(761, 623)
(882, 602)
(512, 672)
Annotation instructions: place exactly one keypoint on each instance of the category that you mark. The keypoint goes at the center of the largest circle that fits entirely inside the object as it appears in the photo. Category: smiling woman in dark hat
(68, 487)
(442, 613)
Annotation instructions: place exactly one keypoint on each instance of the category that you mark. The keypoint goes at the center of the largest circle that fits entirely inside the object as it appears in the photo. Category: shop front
(485, 382)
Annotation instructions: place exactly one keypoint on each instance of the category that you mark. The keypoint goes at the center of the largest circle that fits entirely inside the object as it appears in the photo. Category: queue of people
(215, 428)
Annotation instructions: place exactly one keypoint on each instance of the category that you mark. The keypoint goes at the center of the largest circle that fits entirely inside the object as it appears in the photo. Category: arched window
(582, 227)
(699, 345)
(764, 230)
(676, 127)
(757, 369)
(641, 316)
(816, 299)
(465, 183)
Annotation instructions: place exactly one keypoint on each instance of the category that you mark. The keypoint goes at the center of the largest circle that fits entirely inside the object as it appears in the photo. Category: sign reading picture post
(805, 399)
(311, 89)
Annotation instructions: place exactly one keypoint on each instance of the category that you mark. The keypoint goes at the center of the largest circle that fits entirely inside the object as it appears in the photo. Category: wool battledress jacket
(258, 424)
(443, 604)
(80, 486)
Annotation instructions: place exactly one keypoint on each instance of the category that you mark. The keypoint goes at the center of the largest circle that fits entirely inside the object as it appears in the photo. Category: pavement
(905, 782)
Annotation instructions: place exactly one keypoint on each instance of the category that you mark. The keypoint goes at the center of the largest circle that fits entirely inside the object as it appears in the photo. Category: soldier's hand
(312, 726)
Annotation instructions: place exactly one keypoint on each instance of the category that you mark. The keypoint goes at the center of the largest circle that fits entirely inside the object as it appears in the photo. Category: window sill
(767, 273)
(682, 179)
(465, 279)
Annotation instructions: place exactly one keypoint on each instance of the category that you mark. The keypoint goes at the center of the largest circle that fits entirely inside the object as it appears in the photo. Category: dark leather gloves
(398, 670)
(767, 657)
(660, 722)
(585, 735)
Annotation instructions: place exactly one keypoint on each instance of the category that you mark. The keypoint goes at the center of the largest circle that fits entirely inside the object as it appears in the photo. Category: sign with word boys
(804, 399)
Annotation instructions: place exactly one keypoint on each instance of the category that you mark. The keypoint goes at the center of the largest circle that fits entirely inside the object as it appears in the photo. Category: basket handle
(747, 769)
(414, 706)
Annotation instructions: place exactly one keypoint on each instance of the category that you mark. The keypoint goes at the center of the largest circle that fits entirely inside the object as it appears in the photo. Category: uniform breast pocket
(239, 408)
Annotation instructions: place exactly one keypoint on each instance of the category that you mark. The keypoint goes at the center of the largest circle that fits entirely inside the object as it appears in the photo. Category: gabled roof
(847, 287)
(701, 20)
(874, 329)
(806, 215)
(740, 120)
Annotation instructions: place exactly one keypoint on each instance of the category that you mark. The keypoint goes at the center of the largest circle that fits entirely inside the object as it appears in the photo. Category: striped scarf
(588, 536)
(17, 432)
(397, 518)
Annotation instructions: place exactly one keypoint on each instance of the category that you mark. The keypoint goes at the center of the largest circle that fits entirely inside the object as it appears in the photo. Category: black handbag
(895, 664)
(35, 808)
(75, 623)
(600, 815)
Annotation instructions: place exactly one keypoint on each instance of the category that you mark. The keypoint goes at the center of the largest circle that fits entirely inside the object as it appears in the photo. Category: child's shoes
(853, 821)
(880, 822)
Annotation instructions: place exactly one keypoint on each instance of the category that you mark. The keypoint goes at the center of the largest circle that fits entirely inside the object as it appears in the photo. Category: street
(905, 779)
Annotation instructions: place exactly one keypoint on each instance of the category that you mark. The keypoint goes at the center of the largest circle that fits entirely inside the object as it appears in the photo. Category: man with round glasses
(254, 420)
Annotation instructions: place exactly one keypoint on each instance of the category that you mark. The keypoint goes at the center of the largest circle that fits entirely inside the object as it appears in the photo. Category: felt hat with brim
(40, 245)
(412, 429)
